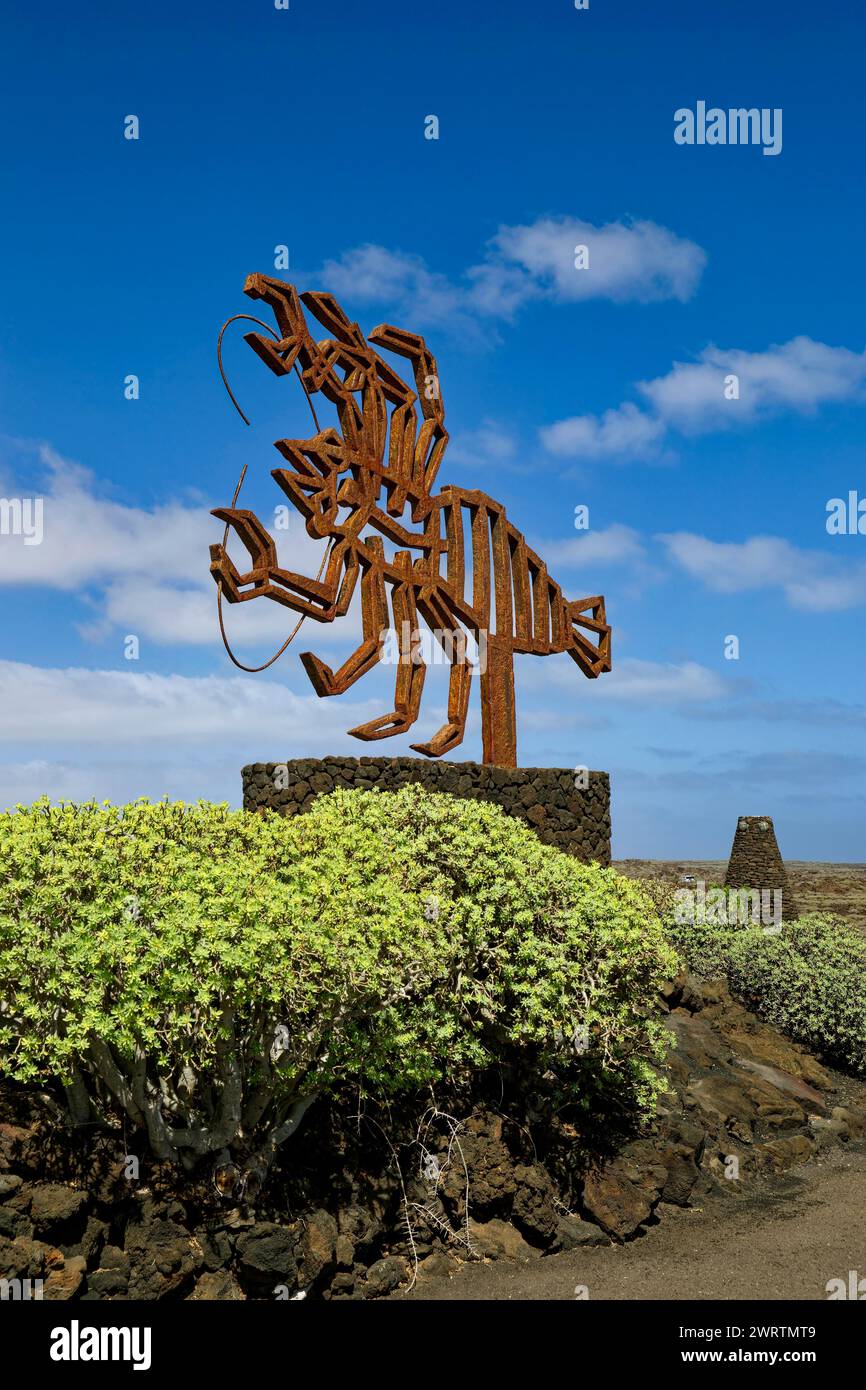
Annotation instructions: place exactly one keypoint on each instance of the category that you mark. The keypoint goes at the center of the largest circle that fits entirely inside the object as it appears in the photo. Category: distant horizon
(708, 859)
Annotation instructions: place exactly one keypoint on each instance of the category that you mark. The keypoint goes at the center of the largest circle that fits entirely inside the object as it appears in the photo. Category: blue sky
(562, 387)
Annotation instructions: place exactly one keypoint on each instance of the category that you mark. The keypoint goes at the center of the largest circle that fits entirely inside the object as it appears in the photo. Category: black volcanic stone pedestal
(571, 817)
(756, 861)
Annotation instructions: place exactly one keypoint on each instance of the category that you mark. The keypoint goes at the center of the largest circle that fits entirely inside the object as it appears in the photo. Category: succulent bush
(810, 981)
(209, 972)
(703, 944)
(807, 977)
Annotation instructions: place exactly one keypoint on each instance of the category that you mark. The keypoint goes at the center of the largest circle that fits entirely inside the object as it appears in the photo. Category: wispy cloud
(182, 774)
(830, 713)
(145, 570)
(491, 445)
(615, 544)
(624, 433)
(797, 376)
(75, 705)
(635, 681)
(401, 282)
(802, 770)
(90, 538)
(671, 683)
(637, 261)
(810, 580)
(726, 388)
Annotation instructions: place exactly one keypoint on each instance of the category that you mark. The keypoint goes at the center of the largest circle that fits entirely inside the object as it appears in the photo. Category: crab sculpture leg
(410, 670)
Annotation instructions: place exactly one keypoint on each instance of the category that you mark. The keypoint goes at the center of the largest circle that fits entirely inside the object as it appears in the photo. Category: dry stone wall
(573, 818)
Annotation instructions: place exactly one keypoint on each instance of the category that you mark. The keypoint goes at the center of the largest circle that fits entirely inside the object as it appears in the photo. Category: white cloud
(639, 261)
(662, 682)
(182, 776)
(172, 615)
(797, 376)
(166, 613)
(634, 681)
(616, 544)
(88, 539)
(74, 705)
(623, 433)
(146, 571)
(811, 580)
(372, 274)
(626, 261)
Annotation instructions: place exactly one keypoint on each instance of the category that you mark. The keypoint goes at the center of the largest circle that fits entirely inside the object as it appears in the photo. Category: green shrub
(810, 981)
(703, 946)
(210, 971)
(807, 977)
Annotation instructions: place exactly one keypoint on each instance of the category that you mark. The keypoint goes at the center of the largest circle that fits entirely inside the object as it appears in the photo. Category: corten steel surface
(339, 481)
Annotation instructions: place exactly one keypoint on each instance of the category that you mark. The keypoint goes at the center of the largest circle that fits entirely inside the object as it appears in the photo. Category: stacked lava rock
(756, 861)
(568, 808)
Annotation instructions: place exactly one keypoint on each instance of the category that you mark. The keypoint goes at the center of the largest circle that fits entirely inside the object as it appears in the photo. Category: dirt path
(784, 1243)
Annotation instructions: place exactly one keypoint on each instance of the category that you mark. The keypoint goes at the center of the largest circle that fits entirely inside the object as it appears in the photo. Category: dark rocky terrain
(745, 1112)
(785, 1240)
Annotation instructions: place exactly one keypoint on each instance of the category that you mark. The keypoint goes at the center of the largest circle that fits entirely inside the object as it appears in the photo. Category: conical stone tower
(756, 861)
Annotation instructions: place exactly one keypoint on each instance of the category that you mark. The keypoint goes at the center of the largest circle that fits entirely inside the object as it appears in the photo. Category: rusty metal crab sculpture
(358, 481)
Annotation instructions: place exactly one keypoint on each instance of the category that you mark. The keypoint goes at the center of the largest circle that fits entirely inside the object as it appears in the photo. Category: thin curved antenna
(250, 319)
(276, 656)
